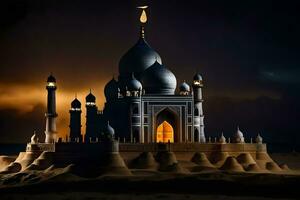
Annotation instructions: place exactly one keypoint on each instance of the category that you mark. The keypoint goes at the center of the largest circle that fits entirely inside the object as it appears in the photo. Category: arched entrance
(166, 121)
(165, 133)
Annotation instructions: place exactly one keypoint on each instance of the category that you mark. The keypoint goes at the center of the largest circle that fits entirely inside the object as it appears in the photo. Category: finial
(143, 20)
(75, 95)
(142, 32)
(132, 75)
(90, 91)
(143, 17)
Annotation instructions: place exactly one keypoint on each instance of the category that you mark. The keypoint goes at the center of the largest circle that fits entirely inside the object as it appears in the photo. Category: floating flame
(143, 18)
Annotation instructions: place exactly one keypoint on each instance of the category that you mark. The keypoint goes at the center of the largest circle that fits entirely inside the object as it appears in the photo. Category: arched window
(196, 113)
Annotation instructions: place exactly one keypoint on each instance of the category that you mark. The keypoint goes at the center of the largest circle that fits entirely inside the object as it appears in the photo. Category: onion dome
(111, 89)
(51, 79)
(108, 131)
(90, 97)
(259, 139)
(133, 84)
(137, 59)
(222, 139)
(239, 136)
(184, 87)
(76, 103)
(197, 77)
(157, 79)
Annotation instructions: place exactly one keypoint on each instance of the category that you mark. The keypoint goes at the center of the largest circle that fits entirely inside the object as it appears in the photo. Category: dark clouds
(247, 52)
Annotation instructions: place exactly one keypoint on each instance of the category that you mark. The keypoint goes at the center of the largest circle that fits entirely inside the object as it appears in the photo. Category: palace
(144, 104)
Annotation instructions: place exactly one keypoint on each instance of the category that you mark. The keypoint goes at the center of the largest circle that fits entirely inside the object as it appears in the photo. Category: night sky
(247, 52)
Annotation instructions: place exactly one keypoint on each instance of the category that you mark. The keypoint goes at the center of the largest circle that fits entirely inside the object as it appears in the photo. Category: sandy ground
(102, 196)
(62, 184)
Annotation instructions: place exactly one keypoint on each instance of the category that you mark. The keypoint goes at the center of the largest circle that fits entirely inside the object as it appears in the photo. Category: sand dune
(272, 166)
(5, 161)
(232, 165)
(218, 158)
(245, 159)
(253, 168)
(203, 164)
(144, 161)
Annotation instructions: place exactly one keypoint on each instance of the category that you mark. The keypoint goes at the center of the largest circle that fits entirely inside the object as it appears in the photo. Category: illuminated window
(75, 109)
(51, 84)
(196, 82)
(90, 103)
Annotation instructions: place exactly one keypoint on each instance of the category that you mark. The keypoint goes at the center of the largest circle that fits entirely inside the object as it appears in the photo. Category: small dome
(111, 89)
(259, 139)
(239, 136)
(133, 84)
(197, 77)
(90, 98)
(222, 139)
(137, 59)
(184, 87)
(157, 79)
(76, 103)
(108, 131)
(51, 79)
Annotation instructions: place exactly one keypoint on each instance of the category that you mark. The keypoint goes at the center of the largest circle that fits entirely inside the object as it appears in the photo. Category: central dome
(137, 59)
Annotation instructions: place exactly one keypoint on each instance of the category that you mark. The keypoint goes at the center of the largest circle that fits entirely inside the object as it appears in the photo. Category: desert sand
(175, 180)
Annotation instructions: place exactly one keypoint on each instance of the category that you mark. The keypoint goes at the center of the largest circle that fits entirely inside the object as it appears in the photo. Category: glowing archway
(165, 133)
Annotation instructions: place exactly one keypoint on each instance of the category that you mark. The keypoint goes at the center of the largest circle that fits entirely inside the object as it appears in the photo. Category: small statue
(34, 138)
(259, 139)
(222, 139)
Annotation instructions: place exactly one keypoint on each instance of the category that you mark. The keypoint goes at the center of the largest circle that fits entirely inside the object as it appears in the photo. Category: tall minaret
(198, 111)
(91, 118)
(75, 121)
(51, 134)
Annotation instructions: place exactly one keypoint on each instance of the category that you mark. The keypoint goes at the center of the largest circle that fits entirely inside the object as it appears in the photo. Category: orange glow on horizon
(24, 98)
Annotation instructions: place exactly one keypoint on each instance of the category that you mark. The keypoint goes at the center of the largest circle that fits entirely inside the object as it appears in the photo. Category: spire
(143, 20)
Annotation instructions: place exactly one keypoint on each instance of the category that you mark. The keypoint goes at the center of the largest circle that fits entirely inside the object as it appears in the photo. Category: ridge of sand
(232, 165)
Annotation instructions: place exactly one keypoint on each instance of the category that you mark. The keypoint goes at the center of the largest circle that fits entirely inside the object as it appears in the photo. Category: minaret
(51, 134)
(198, 111)
(91, 117)
(75, 121)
